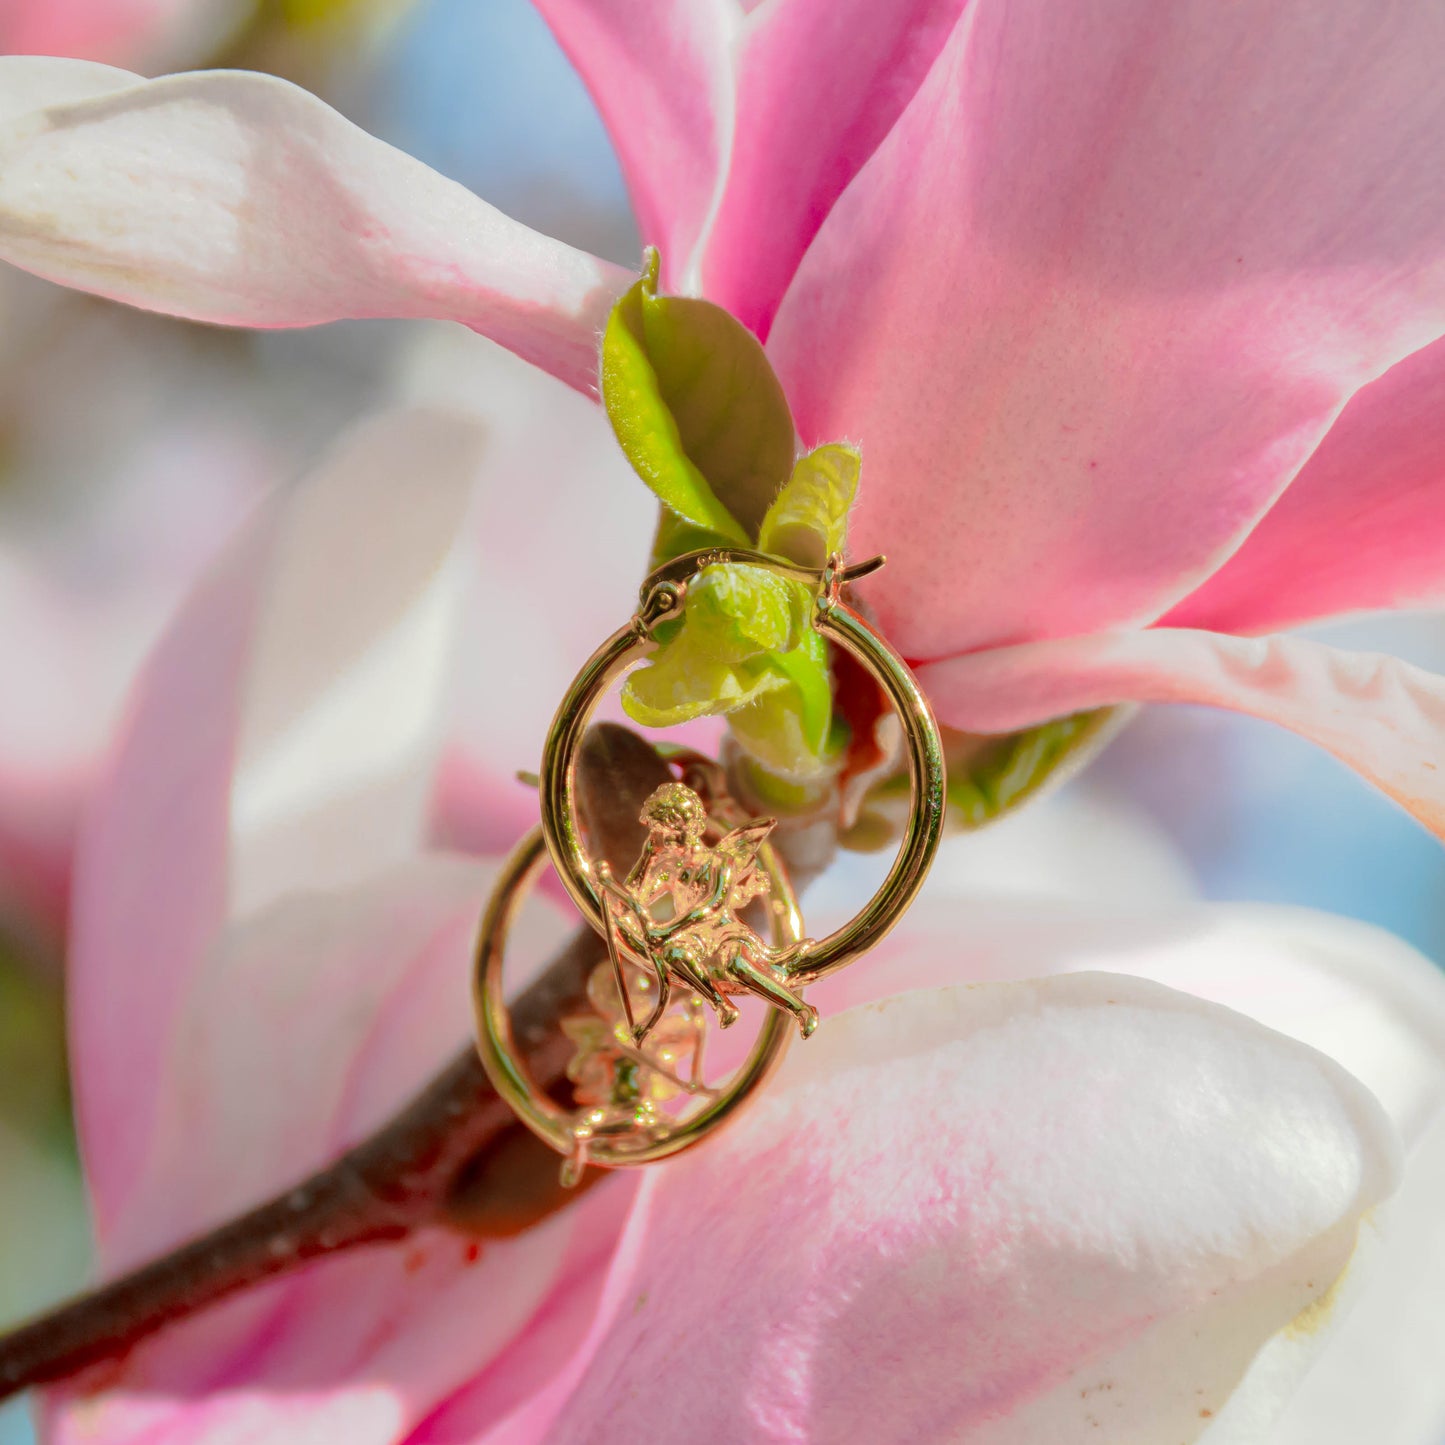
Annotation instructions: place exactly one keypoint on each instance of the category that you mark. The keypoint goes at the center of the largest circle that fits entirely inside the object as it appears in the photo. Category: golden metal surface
(662, 597)
(703, 943)
(609, 1131)
(702, 864)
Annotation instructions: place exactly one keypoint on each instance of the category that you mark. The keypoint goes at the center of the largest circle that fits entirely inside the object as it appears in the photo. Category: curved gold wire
(662, 597)
(547, 1119)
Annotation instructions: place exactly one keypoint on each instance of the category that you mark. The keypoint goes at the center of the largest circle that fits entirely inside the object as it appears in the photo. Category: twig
(453, 1156)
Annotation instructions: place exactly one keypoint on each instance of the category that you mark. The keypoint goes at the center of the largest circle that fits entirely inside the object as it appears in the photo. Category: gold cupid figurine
(703, 944)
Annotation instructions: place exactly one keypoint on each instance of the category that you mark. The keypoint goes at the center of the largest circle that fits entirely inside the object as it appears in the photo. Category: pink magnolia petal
(1382, 717)
(37, 837)
(145, 34)
(281, 736)
(661, 74)
(342, 998)
(1363, 524)
(819, 86)
(517, 1398)
(235, 197)
(347, 1001)
(1103, 289)
(1066, 1210)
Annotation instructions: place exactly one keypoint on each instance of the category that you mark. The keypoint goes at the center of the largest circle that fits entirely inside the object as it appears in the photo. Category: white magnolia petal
(1351, 990)
(1382, 1380)
(314, 649)
(344, 998)
(235, 197)
(1084, 1204)
(350, 660)
(29, 83)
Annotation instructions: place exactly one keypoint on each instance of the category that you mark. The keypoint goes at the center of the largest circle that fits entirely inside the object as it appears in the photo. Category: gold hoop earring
(630, 1129)
(705, 945)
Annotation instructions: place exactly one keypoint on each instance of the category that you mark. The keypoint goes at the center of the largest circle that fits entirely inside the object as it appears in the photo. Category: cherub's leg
(680, 962)
(768, 986)
(576, 1162)
(778, 958)
(698, 1024)
(664, 997)
(789, 955)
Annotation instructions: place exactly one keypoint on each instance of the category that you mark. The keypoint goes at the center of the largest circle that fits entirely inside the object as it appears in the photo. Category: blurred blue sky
(1263, 815)
(480, 90)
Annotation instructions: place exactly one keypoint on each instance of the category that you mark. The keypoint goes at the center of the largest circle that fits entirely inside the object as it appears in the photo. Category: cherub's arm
(636, 926)
(644, 862)
(705, 907)
(617, 890)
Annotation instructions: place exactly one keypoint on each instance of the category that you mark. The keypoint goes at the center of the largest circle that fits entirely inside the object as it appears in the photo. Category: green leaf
(808, 518)
(715, 658)
(696, 408)
(806, 669)
(745, 647)
(786, 728)
(676, 538)
(704, 422)
(990, 777)
(34, 1087)
(306, 14)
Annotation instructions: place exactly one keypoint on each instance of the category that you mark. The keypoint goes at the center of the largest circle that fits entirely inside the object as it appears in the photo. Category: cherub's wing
(740, 847)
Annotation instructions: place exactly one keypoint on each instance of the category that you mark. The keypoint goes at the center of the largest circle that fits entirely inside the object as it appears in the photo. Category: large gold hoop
(550, 1121)
(662, 598)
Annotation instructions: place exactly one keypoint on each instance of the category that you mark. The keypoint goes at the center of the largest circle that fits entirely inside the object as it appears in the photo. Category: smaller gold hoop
(662, 597)
(550, 1121)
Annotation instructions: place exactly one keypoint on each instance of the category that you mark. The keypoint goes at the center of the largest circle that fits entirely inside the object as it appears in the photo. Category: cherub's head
(675, 811)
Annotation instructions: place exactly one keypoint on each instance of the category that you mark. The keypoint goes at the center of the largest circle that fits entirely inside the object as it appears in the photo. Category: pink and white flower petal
(1070, 1209)
(819, 86)
(88, 580)
(1352, 991)
(143, 34)
(661, 73)
(1104, 288)
(560, 534)
(364, 1346)
(1382, 717)
(283, 736)
(517, 1398)
(235, 197)
(1361, 527)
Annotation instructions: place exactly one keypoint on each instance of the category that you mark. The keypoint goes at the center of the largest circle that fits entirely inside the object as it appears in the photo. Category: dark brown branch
(453, 1156)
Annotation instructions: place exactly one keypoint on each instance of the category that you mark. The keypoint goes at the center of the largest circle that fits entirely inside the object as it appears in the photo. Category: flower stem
(454, 1156)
